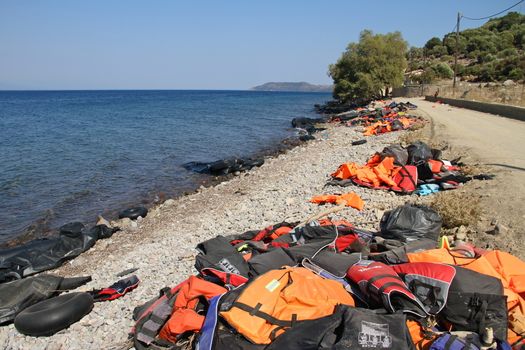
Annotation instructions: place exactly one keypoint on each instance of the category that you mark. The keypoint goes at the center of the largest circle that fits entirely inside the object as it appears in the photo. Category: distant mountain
(300, 86)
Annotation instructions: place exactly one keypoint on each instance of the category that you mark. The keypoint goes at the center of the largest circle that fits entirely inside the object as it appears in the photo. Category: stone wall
(493, 108)
(508, 93)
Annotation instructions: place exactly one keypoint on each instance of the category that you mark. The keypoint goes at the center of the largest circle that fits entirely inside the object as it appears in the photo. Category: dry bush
(457, 208)
(469, 169)
(410, 137)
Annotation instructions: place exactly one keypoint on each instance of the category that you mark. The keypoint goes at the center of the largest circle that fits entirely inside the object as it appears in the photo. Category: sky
(203, 44)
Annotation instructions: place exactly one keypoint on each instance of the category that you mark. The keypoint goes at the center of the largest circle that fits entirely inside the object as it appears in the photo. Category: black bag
(347, 328)
(476, 301)
(399, 154)
(418, 152)
(411, 222)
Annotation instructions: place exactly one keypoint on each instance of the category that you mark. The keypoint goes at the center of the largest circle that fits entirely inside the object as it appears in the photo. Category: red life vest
(383, 287)
(430, 282)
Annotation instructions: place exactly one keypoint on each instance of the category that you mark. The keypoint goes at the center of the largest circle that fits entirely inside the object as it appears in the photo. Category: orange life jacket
(376, 172)
(351, 199)
(184, 317)
(274, 301)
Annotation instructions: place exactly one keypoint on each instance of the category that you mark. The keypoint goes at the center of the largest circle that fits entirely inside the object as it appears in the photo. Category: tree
(433, 42)
(438, 51)
(371, 67)
(450, 43)
(427, 77)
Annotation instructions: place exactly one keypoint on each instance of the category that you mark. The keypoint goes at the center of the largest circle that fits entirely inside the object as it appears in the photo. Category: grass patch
(457, 208)
(412, 136)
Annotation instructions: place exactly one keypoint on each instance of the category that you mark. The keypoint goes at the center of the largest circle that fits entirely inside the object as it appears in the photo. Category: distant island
(287, 86)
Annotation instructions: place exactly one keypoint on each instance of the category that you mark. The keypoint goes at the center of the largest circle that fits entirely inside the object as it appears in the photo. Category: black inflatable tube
(133, 213)
(52, 315)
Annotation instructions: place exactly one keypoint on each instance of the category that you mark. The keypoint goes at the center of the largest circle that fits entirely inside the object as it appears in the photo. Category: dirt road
(496, 142)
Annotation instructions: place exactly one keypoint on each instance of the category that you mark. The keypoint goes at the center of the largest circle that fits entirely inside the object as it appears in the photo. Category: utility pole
(456, 53)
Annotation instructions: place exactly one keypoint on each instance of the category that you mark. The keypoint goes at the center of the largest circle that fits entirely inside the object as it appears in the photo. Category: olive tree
(371, 67)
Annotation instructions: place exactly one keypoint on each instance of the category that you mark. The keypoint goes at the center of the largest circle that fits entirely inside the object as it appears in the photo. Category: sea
(73, 155)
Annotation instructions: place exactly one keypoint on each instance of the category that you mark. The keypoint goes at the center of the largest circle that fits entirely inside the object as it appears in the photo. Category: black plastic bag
(410, 222)
(399, 154)
(418, 152)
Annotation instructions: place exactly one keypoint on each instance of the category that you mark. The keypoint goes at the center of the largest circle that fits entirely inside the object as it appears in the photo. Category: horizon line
(145, 89)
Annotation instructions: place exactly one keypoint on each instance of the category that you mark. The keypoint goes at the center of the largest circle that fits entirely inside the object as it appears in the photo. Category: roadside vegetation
(490, 53)
(372, 67)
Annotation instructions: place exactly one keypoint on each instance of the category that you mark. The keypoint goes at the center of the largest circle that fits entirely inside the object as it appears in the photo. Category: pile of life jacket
(379, 117)
(330, 285)
(417, 168)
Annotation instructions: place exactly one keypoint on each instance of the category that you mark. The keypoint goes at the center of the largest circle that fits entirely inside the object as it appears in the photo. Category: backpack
(275, 301)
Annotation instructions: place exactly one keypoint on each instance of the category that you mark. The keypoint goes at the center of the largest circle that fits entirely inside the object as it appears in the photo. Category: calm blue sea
(71, 155)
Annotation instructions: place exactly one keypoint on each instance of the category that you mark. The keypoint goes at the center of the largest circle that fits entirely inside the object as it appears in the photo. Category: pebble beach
(161, 246)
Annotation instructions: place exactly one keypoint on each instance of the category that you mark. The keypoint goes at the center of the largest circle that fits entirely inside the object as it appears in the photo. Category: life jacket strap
(255, 311)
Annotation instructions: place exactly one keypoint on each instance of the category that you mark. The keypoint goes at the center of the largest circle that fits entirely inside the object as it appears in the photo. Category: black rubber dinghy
(52, 315)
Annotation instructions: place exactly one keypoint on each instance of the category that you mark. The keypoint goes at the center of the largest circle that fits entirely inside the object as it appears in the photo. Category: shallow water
(72, 155)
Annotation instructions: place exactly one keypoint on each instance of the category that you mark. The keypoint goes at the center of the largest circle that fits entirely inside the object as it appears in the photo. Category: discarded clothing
(116, 290)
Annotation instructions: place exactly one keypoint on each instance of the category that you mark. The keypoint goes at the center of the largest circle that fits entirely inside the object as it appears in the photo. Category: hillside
(293, 86)
(492, 52)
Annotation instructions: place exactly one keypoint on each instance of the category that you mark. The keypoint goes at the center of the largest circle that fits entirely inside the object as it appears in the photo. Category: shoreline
(40, 229)
(162, 245)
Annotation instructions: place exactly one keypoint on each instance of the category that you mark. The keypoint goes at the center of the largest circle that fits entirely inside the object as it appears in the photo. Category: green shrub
(442, 70)
(487, 73)
(427, 77)
(461, 69)
(473, 54)
(472, 70)
(516, 74)
(485, 57)
(438, 51)
(508, 53)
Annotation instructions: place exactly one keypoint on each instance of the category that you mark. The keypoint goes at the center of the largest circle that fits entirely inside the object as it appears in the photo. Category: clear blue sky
(197, 44)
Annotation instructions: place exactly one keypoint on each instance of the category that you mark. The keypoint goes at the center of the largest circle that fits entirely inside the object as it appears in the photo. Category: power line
(499, 13)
